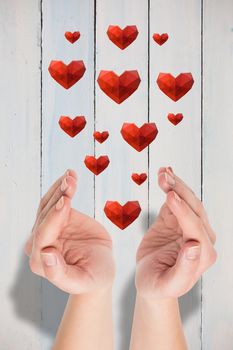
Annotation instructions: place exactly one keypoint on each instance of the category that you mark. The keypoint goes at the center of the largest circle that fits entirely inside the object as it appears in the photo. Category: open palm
(164, 269)
(69, 248)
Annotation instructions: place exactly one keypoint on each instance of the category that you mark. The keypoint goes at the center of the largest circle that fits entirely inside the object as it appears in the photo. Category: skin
(74, 252)
(164, 271)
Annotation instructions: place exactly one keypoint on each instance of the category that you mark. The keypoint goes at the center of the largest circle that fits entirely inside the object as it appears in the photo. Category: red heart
(72, 37)
(122, 216)
(66, 75)
(139, 138)
(101, 136)
(139, 178)
(175, 118)
(119, 88)
(122, 37)
(175, 88)
(96, 165)
(72, 127)
(160, 38)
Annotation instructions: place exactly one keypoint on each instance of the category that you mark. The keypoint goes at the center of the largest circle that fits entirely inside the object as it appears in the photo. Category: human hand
(72, 250)
(179, 245)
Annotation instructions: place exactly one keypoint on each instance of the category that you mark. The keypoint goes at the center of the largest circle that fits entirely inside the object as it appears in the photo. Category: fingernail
(67, 172)
(60, 203)
(170, 172)
(193, 252)
(64, 185)
(49, 259)
(170, 180)
(177, 198)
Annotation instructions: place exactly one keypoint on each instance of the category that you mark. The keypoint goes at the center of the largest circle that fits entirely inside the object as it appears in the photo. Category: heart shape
(96, 165)
(100, 136)
(119, 88)
(139, 138)
(139, 178)
(66, 75)
(122, 216)
(122, 37)
(72, 37)
(175, 118)
(160, 38)
(72, 126)
(175, 88)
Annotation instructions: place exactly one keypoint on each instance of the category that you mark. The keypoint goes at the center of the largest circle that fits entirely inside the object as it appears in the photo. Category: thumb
(54, 265)
(183, 275)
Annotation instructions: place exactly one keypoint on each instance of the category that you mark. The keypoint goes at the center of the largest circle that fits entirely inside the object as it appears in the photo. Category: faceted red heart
(160, 38)
(175, 88)
(66, 75)
(72, 127)
(175, 118)
(96, 165)
(122, 37)
(139, 178)
(119, 88)
(101, 136)
(139, 138)
(72, 37)
(122, 216)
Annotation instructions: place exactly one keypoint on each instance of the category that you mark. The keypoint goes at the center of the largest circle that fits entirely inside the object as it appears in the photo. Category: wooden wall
(34, 151)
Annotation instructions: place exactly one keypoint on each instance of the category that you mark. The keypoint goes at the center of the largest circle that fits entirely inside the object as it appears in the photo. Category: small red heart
(119, 88)
(72, 37)
(72, 126)
(66, 75)
(122, 216)
(101, 136)
(139, 178)
(160, 38)
(175, 88)
(96, 165)
(139, 138)
(175, 118)
(122, 37)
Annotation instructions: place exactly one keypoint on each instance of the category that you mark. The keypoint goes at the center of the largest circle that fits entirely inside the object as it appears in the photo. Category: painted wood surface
(35, 151)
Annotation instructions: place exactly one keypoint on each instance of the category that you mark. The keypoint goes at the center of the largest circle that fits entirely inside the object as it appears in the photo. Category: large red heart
(139, 178)
(72, 37)
(96, 165)
(119, 88)
(139, 138)
(122, 37)
(66, 75)
(100, 136)
(175, 88)
(175, 118)
(160, 38)
(122, 216)
(72, 126)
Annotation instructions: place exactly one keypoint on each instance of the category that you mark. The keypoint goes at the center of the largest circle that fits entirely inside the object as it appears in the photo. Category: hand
(179, 246)
(69, 248)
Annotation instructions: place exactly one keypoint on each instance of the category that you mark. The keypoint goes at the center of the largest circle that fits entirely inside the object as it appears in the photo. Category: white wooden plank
(178, 146)
(115, 182)
(59, 150)
(19, 170)
(218, 170)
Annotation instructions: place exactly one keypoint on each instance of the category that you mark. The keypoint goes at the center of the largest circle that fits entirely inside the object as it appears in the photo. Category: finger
(69, 278)
(54, 187)
(191, 225)
(181, 277)
(168, 180)
(48, 231)
(67, 188)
